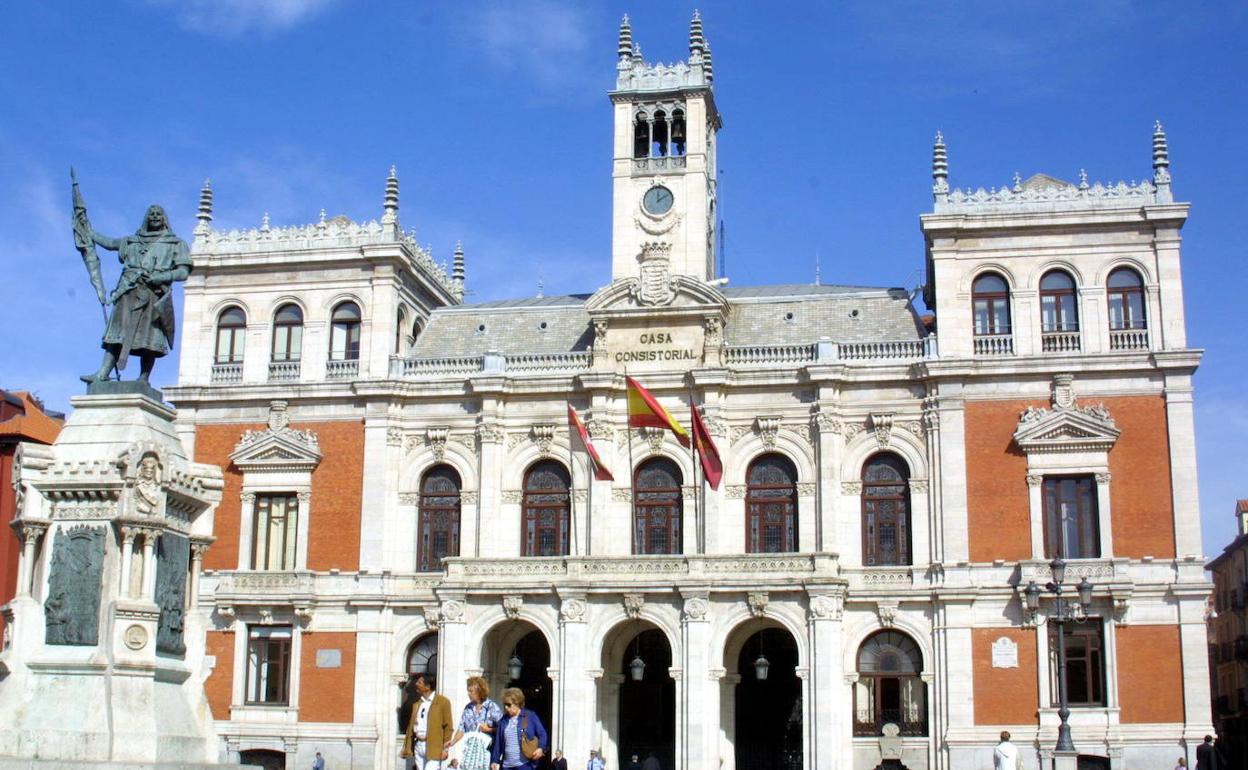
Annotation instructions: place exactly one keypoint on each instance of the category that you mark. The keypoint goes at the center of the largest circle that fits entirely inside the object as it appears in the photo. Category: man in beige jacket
(430, 728)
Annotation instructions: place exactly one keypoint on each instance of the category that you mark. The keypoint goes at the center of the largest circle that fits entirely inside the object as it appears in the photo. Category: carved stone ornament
(136, 637)
(714, 331)
(851, 487)
(738, 431)
(1034, 479)
(433, 616)
(513, 496)
(514, 440)
(768, 429)
(887, 612)
(882, 425)
(621, 494)
(394, 436)
(735, 491)
(826, 422)
(512, 603)
(490, 433)
(806, 489)
(543, 436)
(827, 606)
(280, 448)
(916, 428)
(654, 438)
(469, 497)
(435, 439)
(633, 604)
(1102, 478)
(1066, 427)
(600, 333)
(656, 286)
(452, 611)
(851, 429)
(149, 494)
(599, 427)
(572, 610)
(918, 485)
(696, 608)
(757, 602)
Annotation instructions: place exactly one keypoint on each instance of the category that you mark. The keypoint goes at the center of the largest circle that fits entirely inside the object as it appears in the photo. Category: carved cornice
(279, 448)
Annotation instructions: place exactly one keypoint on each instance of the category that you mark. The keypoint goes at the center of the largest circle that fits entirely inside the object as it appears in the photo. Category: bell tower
(664, 160)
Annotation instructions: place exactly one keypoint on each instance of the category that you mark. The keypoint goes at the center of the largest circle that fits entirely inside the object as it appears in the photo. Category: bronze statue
(142, 319)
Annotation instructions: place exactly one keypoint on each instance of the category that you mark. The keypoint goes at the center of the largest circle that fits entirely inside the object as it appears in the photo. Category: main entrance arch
(518, 647)
(767, 719)
(638, 703)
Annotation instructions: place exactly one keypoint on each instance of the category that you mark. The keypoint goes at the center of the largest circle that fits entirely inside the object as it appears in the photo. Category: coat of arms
(657, 286)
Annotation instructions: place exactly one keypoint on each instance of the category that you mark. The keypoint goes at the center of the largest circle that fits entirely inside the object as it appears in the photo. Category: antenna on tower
(818, 272)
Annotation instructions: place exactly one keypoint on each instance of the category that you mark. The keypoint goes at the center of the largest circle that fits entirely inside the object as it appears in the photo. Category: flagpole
(698, 508)
(632, 491)
(572, 492)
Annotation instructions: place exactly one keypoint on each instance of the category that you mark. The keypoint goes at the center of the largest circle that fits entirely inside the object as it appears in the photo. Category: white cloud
(546, 40)
(227, 18)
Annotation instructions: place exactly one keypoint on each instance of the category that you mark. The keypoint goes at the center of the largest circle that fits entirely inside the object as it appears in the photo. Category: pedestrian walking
(1207, 756)
(1005, 756)
(429, 731)
(595, 761)
(319, 762)
(521, 737)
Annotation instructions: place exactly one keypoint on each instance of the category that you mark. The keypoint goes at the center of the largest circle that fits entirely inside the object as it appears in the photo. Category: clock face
(658, 200)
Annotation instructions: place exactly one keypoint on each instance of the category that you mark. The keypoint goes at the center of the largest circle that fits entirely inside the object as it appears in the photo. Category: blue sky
(497, 117)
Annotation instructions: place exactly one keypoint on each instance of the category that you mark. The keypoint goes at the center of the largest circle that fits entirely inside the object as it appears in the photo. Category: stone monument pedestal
(104, 658)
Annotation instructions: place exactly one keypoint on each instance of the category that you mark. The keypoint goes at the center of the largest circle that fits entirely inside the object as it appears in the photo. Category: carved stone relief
(633, 604)
(72, 609)
(172, 557)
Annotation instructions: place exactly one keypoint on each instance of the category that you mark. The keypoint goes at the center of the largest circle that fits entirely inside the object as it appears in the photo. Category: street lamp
(1062, 613)
(515, 666)
(761, 664)
(637, 667)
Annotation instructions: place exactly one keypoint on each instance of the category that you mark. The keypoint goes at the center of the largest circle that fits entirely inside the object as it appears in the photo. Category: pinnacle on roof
(637, 57)
(457, 264)
(940, 168)
(1161, 163)
(204, 215)
(390, 205)
(697, 42)
(707, 66)
(625, 48)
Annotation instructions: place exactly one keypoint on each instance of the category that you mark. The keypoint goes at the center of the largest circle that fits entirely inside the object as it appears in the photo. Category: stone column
(1185, 492)
(831, 745)
(29, 532)
(452, 643)
(727, 719)
(490, 439)
(575, 718)
(126, 582)
(700, 708)
(147, 588)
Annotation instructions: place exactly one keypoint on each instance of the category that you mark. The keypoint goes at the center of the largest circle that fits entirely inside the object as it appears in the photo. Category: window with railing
(287, 347)
(547, 510)
(890, 686)
(1128, 325)
(885, 511)
(274, 538)
(1059, 313)
(344, 332)
(231, 334)
(990, 301)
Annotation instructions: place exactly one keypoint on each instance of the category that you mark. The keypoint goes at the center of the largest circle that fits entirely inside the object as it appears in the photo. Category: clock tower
(664, 162)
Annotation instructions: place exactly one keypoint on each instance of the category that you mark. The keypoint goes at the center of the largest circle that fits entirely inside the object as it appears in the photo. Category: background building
(1228, 643)
(401, 493)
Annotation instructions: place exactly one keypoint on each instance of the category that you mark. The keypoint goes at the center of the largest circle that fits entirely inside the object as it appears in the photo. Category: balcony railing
(580, 360)
(1060, 342)
(1128, 339)
(283, 371)
(887, 349)
(867, 723)
(227, 374)
(342, 370)
(764, 355)
(994, 345)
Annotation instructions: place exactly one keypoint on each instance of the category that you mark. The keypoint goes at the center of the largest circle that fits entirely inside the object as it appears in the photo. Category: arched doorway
(422, 658)
(639, 660)
(768, 719)
(516, 654)
(265, 758)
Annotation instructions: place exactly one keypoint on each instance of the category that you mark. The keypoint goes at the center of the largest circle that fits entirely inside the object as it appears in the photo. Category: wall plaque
(72, 610)
(1004, 653)
(173, 554)
(329, 658)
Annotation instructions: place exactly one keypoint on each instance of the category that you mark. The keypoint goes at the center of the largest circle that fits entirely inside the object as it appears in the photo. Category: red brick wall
(1139, 488)
(327, 694)
(220, 682)
(337, 490)
(1150, 673)
(997, 504)
(998, 511)
(1005, 696)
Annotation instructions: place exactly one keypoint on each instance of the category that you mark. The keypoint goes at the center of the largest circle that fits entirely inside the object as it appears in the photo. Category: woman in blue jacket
(517, 725)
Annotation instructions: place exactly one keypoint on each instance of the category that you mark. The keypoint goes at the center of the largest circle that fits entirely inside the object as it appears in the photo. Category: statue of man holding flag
(142, 320)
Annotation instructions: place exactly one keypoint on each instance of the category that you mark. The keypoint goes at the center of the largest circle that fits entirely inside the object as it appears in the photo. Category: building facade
(402, 493)
(1228, 643)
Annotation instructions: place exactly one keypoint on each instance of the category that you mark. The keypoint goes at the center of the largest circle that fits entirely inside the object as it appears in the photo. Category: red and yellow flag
(645, 412)
(708, 453)
(600, 471)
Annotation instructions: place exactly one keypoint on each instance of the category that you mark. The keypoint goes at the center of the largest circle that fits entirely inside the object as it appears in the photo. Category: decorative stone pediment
(279, 448)
(1067, 426)
(656, 289)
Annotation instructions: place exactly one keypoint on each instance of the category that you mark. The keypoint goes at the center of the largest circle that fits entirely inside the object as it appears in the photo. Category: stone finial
(940, 169)
(264, 223)
(637, 57)
(1083, 179)
(708, 67)
(390, 206)
(697, 42)
(541, 287)
(204, 215)
(457, 265)
(1018, 182)
(1161, 163)
(626, 40)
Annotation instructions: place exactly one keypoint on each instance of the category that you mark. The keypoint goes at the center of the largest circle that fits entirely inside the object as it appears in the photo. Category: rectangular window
(287, 343)
(1071, 525)
(268, 665)
(1085, 662)
(277, 519)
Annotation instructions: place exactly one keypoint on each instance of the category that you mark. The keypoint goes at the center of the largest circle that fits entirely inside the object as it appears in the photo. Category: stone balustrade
(342, 370)
(284, 371)
(1128, 339)
(227, 374)
(1060, 342)
(994, 345)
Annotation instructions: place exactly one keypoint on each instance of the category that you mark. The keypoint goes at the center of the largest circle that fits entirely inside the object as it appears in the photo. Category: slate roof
(759, 315)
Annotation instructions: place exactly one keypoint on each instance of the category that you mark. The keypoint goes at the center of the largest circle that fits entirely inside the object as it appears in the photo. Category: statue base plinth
(124, 387)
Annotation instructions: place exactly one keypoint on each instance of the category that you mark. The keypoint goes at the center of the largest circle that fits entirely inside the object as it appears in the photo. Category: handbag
(528, 746)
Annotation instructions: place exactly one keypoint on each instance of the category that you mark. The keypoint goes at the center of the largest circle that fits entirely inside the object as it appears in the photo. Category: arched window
(641, 136)
(1126, 300)
(344, 333)
(288, 333)
(885, 511)
(439, 518)
(678, 132)
(659, 134)
(1059, 310)
(422, 656)
(890, 686)
(415, 330)
(657, 507)
(231, 331)
(547, 510)
(990, 296)
(400, 329)
(771, 505)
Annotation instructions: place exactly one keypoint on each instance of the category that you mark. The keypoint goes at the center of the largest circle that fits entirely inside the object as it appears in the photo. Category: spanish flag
(645, 412)
(600, 471)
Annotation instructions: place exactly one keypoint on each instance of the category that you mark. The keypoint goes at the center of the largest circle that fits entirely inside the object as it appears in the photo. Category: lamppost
(1062, 613)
